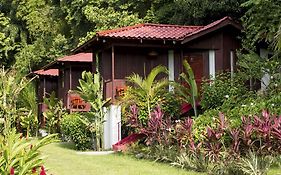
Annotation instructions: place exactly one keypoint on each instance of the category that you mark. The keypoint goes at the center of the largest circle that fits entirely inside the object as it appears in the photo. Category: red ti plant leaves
(263, 126)
(187, 125)
(184, 131)
(276, 127)
(210, 134)
(234, 134)
(133, 117)
(213, 135)
(247, 131)
(222, 122)
(157, 129)
(265, 114)
(33, 170)
(277, 133)
(194, 148)
(213, 143)
(213, 151)
(277, 122)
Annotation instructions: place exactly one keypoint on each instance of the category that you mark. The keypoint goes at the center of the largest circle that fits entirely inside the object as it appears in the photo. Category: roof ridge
(50, 72)
(172, 25)
(104, 32)
(71, 56)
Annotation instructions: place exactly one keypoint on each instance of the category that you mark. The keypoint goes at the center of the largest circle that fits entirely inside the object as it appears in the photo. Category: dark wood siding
(70, 80)
(105, 65)
(129, 60)
(222, 41)
(51, 85)
(230, 43)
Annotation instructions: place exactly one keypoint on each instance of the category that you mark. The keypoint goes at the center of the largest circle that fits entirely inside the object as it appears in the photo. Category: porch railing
(114, 89)
(76, 104)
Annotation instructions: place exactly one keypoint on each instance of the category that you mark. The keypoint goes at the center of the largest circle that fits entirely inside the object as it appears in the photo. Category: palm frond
(153, 74)
(136, 80)
(188, 94)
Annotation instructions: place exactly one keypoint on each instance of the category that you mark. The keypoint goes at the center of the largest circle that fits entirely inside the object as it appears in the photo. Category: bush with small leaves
(72, 127)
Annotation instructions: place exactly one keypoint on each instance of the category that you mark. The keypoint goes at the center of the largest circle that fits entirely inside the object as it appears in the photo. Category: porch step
(186, 107)
(124, 143)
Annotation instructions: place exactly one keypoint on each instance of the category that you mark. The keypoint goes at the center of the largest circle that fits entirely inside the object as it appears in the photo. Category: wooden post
(70, 78)
(70, 88)
(112, 72)
(44, 87)
(94, 62)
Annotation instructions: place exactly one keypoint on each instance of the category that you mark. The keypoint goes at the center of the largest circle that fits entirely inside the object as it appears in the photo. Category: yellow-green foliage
(21, 154)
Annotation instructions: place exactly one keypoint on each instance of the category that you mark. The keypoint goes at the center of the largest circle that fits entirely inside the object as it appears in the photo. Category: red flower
(43, 172)
(33, 170)
(12, 171)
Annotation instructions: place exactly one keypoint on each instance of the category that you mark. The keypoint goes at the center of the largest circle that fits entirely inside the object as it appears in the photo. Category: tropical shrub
(20, 155)
(29, 109)
(76, 131)
(250, 106)
(159, 129)
(91, 90)
(17, 155)
(171, 105)
(188, 92)
(146, 92)
(11, 85)
(223, 87)
(217, 146)
(254, 164)
(54, 113)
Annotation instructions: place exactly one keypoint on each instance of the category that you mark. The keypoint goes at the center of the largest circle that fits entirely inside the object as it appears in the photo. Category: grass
(63, 160)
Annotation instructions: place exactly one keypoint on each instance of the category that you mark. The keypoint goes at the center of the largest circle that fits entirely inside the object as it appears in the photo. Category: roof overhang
(98, 42)
(211, 28)
(86, 47)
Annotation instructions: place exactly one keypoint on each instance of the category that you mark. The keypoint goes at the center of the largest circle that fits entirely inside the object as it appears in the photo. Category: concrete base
(112, 126)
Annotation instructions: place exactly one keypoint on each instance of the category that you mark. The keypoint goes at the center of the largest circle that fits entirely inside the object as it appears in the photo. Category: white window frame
(212, 64)
(171, 67)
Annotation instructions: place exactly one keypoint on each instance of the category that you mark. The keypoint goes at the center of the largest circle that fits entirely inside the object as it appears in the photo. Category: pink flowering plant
(259, 134)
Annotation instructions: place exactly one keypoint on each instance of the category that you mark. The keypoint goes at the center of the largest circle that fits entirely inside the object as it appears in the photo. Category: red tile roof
(80, 57)
(150, 31)
(50, 72)
(159, 32)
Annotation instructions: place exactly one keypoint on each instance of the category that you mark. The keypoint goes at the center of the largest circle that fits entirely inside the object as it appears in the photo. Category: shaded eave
(63, 60)
(44, 73)
(227, 21)
(85, 46)
(98, 42)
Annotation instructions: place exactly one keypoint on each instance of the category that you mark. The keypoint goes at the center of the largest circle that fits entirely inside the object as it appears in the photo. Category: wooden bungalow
(47, 84)
(69, 71)
(139, 48)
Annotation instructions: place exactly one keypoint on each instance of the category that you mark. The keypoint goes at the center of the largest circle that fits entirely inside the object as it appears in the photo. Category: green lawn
(64, 161)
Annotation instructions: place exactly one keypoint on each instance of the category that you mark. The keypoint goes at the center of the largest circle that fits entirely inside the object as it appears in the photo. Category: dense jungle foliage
(35, 32)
